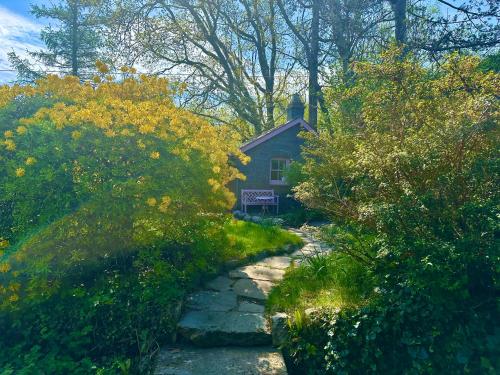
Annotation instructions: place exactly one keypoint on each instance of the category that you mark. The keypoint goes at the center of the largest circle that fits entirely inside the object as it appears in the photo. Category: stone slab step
(280, 262)
(253, 289)
(257, 272)
(221, 284)
(212, 301)
(220, 361)
(246, 306)
(216, 328)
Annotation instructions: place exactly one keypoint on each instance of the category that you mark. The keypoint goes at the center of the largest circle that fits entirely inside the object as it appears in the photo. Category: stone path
(224, 326)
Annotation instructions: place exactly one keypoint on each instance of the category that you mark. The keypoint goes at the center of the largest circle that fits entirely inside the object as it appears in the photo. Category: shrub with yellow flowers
(108, 192)
(123, 140)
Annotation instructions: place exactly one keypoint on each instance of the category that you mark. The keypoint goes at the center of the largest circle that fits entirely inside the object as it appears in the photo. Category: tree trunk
(313, 64)
(269, 110)
(74, 38)
(399, 9)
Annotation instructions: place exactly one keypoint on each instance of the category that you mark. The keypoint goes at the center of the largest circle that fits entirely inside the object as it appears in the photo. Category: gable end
(274, 132)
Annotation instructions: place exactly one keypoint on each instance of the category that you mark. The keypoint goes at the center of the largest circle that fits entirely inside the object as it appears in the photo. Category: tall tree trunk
(269, 110)
(399, 9)
(313, 65)
(74, 38)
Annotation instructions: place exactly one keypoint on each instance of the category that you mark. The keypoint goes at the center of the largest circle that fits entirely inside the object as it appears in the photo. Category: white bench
(259, 197)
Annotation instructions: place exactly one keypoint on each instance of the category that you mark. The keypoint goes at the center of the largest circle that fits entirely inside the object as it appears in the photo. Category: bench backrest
(249, 196)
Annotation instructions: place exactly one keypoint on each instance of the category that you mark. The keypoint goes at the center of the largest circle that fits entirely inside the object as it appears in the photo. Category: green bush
(79, 315)
(403, 331)
(300, 215)
(113, 203)
(101, 323)
(409, 164)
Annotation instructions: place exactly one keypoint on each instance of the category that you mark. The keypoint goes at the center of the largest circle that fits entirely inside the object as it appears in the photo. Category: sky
(19, 31)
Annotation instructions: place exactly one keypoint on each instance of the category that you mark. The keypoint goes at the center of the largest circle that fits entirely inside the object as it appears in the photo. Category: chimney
(295, 109)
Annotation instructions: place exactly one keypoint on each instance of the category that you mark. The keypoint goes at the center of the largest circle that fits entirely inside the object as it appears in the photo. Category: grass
(247, 239)
(133, 294)
(332, 281)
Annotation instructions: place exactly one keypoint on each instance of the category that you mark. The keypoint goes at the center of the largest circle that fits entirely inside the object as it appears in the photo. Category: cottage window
(278, 167)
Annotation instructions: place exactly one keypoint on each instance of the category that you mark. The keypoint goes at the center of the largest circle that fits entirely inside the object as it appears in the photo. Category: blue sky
(19, 31)
(20, 7)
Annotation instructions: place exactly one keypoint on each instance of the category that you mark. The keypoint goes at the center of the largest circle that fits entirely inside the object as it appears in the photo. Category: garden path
(224, 325)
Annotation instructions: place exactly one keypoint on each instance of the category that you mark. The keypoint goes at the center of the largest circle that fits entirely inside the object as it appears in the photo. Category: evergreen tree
(72, 40)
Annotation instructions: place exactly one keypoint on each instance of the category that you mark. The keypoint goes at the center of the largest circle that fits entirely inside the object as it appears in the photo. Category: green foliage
(304, 351)
(294, 174)
(113, 310)
(105, 222)
(409, 165)
(416, 165)
(402, 331)
(301, 215)
(110, 316)
(332, 281)
(84, 310)
(72, 40)
(491, 63)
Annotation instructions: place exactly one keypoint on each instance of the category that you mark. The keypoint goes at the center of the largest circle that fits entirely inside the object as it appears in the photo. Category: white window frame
(271, 170)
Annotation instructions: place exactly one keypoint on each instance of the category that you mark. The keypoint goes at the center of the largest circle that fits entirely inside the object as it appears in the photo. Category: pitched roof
(275, 131)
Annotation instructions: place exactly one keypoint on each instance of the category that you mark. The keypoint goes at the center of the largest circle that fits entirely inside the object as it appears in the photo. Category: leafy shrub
(300, 215)
(103, 321)
(415, 153)
(414, 163)
(273, 221)
(113, 202)
(304, 352)
(410, 163)
(403, 331)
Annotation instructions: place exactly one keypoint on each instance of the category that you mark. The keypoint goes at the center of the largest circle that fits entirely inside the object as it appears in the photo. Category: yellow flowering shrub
(105, 167)
(30, 160)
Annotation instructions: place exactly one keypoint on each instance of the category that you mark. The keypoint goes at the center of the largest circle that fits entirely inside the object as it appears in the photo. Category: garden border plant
(410, 158)
(113, 206)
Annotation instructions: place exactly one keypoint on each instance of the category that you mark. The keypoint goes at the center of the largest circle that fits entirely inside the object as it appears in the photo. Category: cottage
(271, 153)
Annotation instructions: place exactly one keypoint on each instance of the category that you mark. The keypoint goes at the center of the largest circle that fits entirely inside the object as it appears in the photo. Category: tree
(303, 20)
(239, 56)
(471, 25)
(400, 29)
(327, 32)
(385, 160)
(229, 52)
(72, 45)
(24, 69)
(412, 169)
(354, 31)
